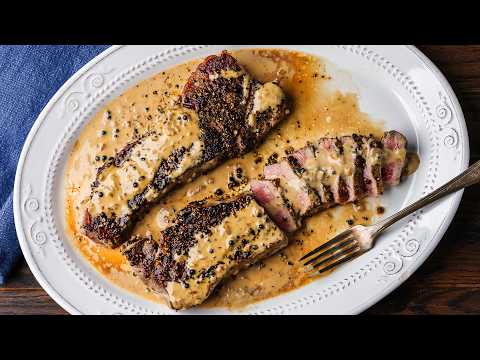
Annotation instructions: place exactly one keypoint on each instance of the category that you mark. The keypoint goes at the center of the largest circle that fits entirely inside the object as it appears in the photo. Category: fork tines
(334, 252)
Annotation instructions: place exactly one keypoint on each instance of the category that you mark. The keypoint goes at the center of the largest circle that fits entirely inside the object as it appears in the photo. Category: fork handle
(469, 177)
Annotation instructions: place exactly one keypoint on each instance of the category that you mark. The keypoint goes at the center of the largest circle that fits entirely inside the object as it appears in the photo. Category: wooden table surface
(447, 283)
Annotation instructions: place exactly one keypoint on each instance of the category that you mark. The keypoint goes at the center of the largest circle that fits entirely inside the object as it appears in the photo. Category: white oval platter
(397, 84)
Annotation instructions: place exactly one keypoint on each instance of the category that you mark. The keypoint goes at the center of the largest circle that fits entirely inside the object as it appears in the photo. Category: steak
(224, 113)
(207, 242)
(331, 171)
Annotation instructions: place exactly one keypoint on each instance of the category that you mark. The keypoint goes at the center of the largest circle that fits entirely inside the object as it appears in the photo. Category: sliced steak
(331, 171)
(354, 166)
(208, 242)
(395, 156)
(225, 113)
(270, 195)
(300, 196)
(329, 158)
(303, 162)
(373, 154)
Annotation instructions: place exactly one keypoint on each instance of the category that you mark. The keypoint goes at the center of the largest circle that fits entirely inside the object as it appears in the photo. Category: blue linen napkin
(29, 77)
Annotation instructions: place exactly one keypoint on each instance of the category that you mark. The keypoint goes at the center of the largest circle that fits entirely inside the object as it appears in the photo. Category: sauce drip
(315, 112)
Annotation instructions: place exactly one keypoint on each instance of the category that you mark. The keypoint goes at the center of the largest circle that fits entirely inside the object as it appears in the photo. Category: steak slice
(270, 196)
(395, 157)
(329, 157)
(208, 241)
(300, 196)
(303, 163)
(373, 154)
(354, 166)
(224, 114)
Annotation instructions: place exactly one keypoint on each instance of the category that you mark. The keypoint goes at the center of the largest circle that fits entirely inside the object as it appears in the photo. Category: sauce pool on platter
(316, 112)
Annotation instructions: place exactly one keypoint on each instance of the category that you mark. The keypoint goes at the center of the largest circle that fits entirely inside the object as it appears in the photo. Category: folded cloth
(29, 77)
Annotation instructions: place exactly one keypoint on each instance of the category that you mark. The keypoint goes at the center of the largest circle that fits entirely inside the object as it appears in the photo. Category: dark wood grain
(23, 295)
(447, 283)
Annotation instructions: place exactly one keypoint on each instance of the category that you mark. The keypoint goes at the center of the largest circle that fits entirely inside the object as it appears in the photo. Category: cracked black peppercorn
(104, 157)
(100, 194)
(350, 222)
(231, 242)
(239, 172)
(232, 182)
(97, 158)
(272, 159)
(135, 184)
(219, 192)
(104, 132)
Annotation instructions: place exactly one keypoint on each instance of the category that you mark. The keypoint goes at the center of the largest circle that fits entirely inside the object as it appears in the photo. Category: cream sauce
(315, 113)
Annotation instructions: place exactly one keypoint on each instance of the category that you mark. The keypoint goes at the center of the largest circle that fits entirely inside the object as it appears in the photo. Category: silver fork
(359, 239)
